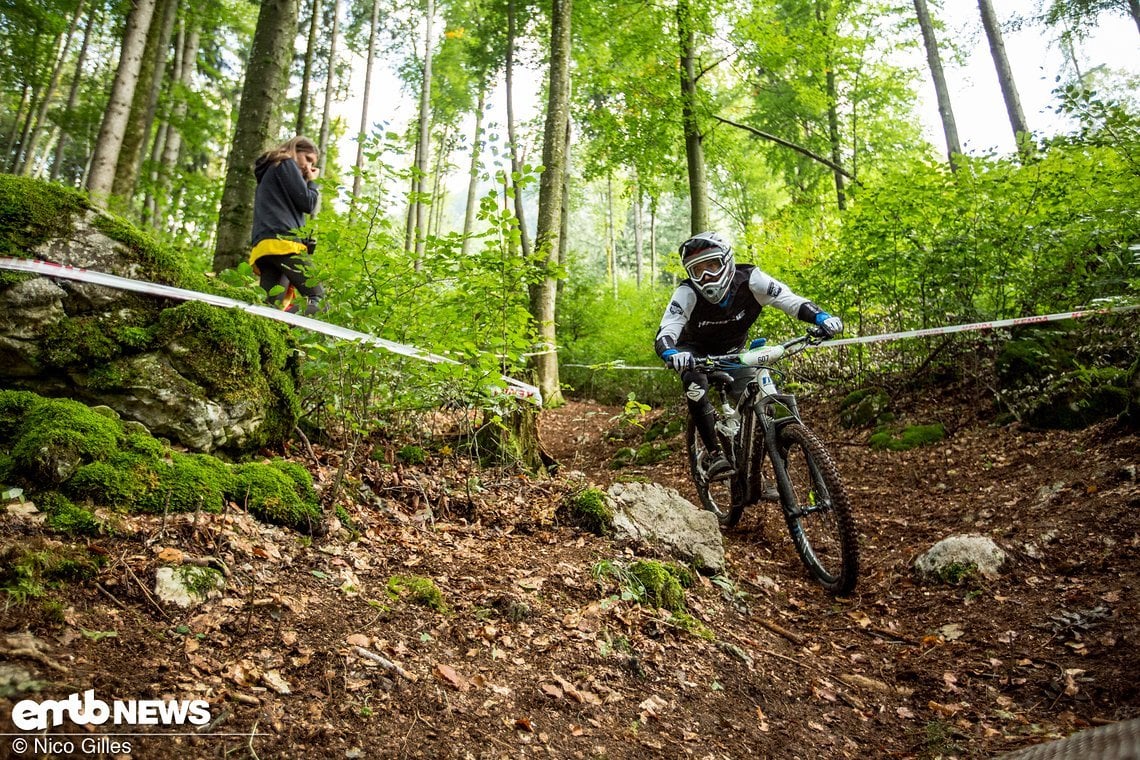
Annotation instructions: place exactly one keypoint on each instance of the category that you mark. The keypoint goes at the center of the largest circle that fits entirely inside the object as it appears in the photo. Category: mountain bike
(754, 422)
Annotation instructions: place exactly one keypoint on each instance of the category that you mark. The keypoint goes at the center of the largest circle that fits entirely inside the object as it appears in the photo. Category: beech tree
(258, 120)
(110, 140)
(941, 91)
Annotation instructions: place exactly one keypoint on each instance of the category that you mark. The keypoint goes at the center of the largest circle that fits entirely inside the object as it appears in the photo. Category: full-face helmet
(708, 260)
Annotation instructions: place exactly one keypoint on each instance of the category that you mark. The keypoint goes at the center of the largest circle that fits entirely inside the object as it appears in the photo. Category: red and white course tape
(514, 387)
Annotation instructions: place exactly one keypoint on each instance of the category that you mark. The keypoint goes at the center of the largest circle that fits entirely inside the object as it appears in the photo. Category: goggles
(707, 267)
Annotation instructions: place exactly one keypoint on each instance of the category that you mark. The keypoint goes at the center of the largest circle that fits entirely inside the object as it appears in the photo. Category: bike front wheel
(817, 510)
(721, 497)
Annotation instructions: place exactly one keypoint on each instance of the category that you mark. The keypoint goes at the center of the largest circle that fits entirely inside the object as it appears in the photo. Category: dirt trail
(534, 656)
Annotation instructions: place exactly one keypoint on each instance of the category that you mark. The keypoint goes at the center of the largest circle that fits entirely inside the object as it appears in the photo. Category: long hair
(289, 149)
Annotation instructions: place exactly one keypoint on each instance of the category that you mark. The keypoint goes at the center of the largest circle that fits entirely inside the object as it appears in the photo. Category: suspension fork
(772, 427)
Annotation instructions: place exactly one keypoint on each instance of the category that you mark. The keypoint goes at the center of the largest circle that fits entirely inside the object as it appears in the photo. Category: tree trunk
(307, 71)
(1134, 11)
(637, 243)
(833, 138)
(73, 93)
(362, 135)
(1005, 78)
(473, 173)
(187, 59)
(12, 151)
(941, 91)
(543, 303)
(45, 102)
(107, 146)
(326, 113)
(423, 152)
(611, 236)
(653, 241)
(694, 150)
(512, 137)
(145, 102)
(564, 221)
(438, 186)
(258, 119)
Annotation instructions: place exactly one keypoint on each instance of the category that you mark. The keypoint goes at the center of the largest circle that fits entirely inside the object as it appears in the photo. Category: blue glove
(679, 361)
(832, 326)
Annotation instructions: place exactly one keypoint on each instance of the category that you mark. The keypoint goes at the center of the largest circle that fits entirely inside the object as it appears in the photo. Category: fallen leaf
(551, 690)
(276, 681)
(359, 640)
(860, 618)
(951, 631)
(170, 556)
(944, 709)
(762, 719)
(447, 674)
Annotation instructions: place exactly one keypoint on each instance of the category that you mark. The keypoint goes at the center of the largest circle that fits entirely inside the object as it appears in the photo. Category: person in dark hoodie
(285, 194)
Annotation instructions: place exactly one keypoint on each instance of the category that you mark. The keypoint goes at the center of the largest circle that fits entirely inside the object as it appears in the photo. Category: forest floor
(306, 653)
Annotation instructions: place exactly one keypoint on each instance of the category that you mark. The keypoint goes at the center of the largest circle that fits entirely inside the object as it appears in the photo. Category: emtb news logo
(30, 715)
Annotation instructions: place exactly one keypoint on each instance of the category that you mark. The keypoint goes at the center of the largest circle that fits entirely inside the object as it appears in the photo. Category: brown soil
(534, 656)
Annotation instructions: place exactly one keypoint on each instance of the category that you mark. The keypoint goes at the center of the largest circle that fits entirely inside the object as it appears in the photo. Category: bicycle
(755, 421)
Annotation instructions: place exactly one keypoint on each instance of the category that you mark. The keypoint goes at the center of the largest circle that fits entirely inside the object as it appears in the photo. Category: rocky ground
(312, 649)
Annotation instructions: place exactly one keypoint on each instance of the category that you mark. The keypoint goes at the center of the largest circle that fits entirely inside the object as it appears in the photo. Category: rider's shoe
(719, 468)
(770, 492)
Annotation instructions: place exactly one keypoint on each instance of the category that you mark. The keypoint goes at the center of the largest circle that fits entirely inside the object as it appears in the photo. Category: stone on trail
(656, 514)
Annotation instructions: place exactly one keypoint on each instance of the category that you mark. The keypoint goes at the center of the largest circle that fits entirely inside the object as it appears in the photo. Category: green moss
(200, 581)
(65, 517)
(189, 483)
(27, 570)
(33, 212)
(273, 496)
(124, 480)
(651, 453)
(14, 408)
(589, 510)
(908, 438)
(957, 572)
(661, 584)
(59, 434)
(418, 590)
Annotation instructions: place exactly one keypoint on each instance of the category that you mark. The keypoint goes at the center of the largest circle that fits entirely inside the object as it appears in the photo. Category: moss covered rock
(206, 377)
(865, 407)
(909, 437)
(77, 458)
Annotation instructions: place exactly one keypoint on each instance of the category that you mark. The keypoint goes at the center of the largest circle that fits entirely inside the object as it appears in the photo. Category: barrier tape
(924, 333)
(515, 388)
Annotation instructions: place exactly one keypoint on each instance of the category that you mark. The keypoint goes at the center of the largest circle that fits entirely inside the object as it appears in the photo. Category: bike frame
(758, 404)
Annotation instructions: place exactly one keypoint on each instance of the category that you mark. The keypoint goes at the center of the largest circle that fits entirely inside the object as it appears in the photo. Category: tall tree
(145, 101)
(93, 17)
(941, 91)
(1005, 77)
(258, 120)
(512, 129)
(544, 294)
(45, 101)
(423, 144)
(1079, 16)
(107, 146)
(307, 68)
(326, 113)
(362, 135)
(694, 148)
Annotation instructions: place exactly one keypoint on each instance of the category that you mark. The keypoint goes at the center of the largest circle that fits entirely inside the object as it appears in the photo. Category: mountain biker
(285, 194)
(710, 313)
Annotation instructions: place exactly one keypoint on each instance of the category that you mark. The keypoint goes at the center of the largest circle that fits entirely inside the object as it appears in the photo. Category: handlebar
(766, 355)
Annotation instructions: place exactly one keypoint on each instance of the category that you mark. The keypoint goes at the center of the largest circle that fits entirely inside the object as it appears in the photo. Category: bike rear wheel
(817, 510)
(721, 497)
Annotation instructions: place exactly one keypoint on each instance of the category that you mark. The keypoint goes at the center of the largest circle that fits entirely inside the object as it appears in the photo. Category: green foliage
(271, 493)
(418, 590)
(27, 570)
(412, 454)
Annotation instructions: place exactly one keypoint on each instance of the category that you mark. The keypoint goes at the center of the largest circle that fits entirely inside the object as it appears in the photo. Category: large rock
(205, 377)
(957, 557)
(656, 514)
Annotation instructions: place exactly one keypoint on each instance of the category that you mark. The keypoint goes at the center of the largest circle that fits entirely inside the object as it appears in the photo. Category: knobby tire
(819, 513)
